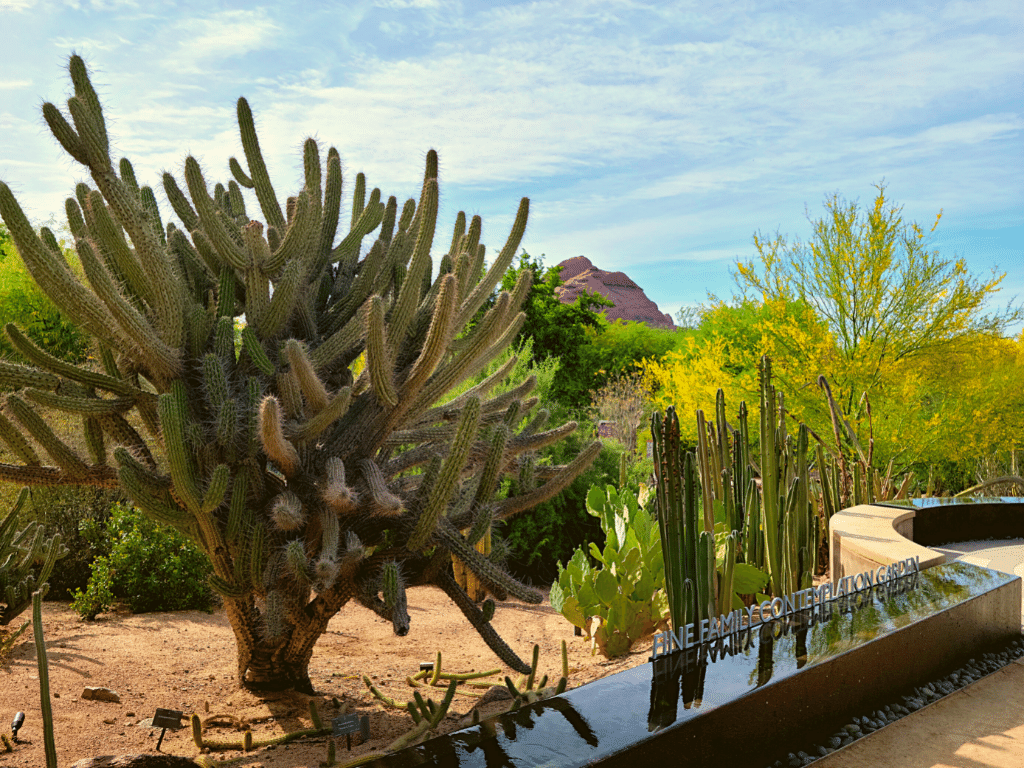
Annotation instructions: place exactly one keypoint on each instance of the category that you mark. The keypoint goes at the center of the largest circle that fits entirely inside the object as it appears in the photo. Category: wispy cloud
(223, 35)
(647, 133)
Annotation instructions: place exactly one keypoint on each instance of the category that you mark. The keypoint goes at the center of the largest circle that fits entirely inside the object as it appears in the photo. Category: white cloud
(12, 84)
(16, 5)
(202, 41)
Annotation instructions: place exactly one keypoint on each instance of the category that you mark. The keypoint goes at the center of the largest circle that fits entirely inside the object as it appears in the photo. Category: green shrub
(79, 515)
(149, 568)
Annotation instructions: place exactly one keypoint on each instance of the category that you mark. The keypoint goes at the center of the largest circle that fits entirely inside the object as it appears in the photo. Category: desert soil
(186, 661)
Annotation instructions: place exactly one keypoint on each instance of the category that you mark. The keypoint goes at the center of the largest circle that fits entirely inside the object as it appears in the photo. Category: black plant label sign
(346, 725)
(167, 718)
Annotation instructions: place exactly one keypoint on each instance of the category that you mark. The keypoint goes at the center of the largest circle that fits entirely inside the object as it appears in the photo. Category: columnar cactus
(306, 486)
(27, 557)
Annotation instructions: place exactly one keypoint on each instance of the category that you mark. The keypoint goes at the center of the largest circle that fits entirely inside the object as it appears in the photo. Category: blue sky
(655, 138)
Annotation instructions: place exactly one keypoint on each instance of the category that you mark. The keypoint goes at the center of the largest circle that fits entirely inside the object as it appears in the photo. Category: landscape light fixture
(16, 723)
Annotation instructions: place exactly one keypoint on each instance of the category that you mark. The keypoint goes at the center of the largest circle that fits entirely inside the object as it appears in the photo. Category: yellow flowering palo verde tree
(306, 485)
(885, 297)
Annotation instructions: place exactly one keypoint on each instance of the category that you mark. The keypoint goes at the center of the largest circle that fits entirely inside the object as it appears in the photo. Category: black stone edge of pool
(756, 726)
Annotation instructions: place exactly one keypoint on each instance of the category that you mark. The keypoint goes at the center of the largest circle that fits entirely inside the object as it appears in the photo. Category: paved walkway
(980, 726)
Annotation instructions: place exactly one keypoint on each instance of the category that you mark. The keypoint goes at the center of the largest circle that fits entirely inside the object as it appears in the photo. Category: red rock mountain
(631, 303)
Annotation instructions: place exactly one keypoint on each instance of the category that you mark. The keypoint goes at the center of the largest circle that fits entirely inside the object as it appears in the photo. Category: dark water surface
(622, 711)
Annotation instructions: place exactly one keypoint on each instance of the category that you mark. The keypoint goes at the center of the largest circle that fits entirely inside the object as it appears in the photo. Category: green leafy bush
(626, 594)
(79, 515)
(149, 568)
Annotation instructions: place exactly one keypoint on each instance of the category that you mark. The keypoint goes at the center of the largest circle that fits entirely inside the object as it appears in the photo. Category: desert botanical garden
(296, 417)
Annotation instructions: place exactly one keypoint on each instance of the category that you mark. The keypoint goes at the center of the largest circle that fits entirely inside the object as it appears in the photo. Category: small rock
(108, 720)
(101, 694)
(129, 714)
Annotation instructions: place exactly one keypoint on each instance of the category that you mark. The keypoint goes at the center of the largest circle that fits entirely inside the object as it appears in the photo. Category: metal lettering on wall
(806, 602)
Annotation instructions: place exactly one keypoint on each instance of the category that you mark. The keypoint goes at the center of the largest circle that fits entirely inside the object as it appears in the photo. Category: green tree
(560, 330)
(884, 296)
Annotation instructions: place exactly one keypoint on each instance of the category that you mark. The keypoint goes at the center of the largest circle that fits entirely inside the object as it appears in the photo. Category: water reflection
(606, 717)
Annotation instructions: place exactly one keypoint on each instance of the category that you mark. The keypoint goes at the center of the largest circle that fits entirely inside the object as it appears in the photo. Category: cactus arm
(409, 294)
(300, 231)
(44, 680)
(42, 359)
(82, 406)
(500, 266)
(342, 340)
(438, 337)
(369, 219)
(101, 477)
(173, 408)
(115, 249)
(64, 133)
(52, 273)
(212, 224)
(441, 492)
(17, 442)
(505, 509)
(62, 454)
(470, 610)
(494, 577)
(313, 388)
(331, 207)
(282, 304)
(378, 358)
(94, 440)
(260, 179)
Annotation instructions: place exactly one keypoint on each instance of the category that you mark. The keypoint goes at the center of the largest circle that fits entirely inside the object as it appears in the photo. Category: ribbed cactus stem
(443, 487)
(277, 447)
(44, 680)
(297, 561)
(393, 593)
(334, 490)
(313, 388)
(383, 501)
(59, 451)
(287, 512)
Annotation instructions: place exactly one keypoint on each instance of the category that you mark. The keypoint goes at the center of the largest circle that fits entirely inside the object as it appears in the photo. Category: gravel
(913, 700)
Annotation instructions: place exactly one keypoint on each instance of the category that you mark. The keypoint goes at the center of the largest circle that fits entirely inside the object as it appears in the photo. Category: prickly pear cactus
(306, 485)
(623, 598)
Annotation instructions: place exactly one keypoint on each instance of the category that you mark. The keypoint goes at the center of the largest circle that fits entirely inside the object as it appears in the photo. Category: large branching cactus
(306, 486)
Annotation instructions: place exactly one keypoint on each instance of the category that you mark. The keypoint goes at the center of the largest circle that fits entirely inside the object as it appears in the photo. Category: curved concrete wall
(869, 535)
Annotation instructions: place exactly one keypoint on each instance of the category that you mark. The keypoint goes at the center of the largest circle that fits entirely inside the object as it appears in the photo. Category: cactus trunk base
(280, 664)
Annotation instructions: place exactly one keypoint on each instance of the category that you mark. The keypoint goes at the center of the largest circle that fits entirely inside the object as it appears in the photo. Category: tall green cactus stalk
(686, 544)
(44, 680)
(786, 509)
(27, 557)
(307, 486)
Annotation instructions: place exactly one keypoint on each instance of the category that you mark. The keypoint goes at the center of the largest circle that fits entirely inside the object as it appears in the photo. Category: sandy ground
(186, 661)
